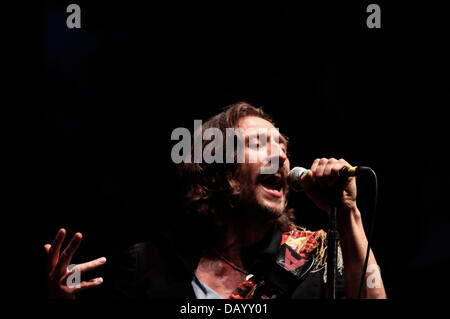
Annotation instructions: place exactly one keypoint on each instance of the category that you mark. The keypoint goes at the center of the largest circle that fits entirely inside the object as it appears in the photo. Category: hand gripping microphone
(294, 178)
(296, 174)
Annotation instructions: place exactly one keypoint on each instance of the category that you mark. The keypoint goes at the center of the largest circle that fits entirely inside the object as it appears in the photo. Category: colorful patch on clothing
(248, 288)
(300, 253)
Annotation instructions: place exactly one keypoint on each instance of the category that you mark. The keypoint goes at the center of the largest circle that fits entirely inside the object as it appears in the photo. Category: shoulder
(147, 270)
(129, 268)
(145, 254)
(160, 270)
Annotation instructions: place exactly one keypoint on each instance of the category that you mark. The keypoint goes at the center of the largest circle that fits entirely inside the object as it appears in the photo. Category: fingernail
(102, 260)
(99, 279)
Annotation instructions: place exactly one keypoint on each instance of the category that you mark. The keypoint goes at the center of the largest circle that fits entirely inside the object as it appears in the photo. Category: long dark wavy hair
(210, 191)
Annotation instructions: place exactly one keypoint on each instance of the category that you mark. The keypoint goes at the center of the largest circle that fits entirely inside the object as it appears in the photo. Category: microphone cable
(371, 230)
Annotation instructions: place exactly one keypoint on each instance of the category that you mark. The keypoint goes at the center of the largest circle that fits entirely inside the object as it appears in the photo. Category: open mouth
(273, 184)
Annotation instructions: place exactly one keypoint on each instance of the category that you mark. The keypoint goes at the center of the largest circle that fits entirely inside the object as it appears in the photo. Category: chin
(273, 210)
(261, 207)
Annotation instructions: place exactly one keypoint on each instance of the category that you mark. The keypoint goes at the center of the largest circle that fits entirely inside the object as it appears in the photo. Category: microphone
(294, 177)
(296, 174)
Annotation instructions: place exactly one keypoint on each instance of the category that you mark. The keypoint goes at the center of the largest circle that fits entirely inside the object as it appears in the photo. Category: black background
(116, 88)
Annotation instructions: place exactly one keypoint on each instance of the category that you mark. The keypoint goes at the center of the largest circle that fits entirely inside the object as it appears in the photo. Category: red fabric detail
(290, 262)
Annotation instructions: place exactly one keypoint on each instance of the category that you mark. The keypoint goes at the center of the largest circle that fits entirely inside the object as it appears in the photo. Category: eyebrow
(282, 139)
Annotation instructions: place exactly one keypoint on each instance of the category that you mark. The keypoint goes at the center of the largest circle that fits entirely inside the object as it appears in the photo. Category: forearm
(354, 247)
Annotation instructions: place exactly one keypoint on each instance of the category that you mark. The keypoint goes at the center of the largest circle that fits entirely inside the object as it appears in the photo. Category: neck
(238, 237)
(223, 269)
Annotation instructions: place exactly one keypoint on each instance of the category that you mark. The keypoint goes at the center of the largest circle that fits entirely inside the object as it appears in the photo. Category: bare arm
(354, 247)
(323, 175)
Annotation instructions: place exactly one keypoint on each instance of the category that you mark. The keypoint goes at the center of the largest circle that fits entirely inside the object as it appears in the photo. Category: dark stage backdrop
(116, 88)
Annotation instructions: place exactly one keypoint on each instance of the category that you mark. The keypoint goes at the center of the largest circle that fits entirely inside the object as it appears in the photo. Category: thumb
(307, 181)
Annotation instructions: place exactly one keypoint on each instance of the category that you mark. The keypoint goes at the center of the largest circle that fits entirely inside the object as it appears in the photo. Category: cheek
(249, 173)
(287, 165)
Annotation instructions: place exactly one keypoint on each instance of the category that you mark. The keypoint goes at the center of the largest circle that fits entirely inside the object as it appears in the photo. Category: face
(265, 192)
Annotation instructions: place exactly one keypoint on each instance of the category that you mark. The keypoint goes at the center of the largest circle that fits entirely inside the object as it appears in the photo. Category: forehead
(254, 122)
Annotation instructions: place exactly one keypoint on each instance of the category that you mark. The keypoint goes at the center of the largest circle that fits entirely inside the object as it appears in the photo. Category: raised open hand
(60, 280)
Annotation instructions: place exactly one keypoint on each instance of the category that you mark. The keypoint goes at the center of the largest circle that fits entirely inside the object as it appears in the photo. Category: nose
(277, 150)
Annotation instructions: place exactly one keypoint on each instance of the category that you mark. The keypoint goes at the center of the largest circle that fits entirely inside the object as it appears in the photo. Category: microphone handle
(352, 171)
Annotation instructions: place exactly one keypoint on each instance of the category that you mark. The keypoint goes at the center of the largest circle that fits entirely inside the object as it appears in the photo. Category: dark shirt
(162, 268)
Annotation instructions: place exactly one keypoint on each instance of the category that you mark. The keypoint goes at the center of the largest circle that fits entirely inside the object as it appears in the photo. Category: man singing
(237, 238)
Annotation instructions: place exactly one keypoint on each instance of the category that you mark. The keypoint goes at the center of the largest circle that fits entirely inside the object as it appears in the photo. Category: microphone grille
(294, 178)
